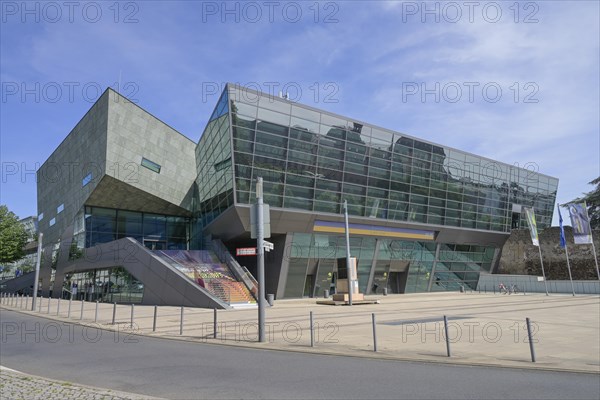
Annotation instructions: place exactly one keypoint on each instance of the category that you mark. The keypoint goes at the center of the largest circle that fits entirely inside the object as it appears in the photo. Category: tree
(12, 236)
(592, 200)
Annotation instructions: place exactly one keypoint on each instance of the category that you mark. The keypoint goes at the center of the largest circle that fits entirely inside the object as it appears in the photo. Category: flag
(530, 214)
(563, 242)
(582, 233)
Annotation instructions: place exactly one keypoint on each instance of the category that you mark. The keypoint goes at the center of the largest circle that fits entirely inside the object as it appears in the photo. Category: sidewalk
(484, 329)
(16, 385)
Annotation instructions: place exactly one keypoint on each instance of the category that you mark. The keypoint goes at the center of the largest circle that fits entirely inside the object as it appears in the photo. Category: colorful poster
(582, 233)
(530, 215)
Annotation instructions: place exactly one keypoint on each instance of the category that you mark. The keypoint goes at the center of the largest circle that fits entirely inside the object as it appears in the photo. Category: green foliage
(75, 252)
(593, 203)
(12, 236)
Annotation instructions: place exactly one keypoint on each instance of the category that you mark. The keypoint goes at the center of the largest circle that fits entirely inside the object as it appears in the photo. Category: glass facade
(214, 166)
(312, 160)
(155, 231)
(401, 266)
(106, 285)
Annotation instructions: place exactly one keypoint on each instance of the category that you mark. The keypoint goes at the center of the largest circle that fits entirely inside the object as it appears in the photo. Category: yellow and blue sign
(373, 230)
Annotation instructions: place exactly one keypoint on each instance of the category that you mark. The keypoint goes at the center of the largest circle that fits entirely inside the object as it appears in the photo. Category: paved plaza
(484, 329)
(15, 385)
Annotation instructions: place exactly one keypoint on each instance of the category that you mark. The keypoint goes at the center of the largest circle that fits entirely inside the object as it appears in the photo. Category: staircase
(204, 268)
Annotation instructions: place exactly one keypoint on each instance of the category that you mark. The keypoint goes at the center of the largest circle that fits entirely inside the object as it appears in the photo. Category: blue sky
(419, 68)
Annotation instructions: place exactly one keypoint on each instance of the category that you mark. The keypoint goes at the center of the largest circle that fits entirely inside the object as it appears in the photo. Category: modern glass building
(423, 216)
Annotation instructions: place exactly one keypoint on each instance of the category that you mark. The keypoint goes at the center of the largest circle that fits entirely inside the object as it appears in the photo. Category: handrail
(241, 273)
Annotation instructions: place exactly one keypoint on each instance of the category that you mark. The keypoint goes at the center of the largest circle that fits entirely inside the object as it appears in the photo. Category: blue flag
(563, 242)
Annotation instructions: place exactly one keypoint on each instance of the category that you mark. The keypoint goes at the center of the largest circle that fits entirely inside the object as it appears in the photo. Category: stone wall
(520, 257)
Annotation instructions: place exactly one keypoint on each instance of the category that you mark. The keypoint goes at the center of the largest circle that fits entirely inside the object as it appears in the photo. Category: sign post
(37, 271)
(348, 266)
(260, 258)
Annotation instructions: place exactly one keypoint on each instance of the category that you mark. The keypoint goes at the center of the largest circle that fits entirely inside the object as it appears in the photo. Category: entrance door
(155, 244)
(397, 276)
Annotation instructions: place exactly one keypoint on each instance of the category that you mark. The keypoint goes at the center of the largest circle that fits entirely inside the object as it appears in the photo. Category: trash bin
(270, 299)
(326, 293)
(385, 291)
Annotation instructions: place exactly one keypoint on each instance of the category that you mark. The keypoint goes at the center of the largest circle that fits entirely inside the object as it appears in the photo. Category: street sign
(245, 251)
(268, 246)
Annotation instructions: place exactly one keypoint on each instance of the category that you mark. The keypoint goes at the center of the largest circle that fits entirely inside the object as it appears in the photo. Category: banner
(563, 241)
(530, 215)
(582, 233)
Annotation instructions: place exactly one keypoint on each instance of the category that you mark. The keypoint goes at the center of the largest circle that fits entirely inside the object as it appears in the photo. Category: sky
(516, 82)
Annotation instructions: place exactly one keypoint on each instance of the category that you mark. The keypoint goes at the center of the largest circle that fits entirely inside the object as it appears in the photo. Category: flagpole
(563, 243)
(595, 256)
(543, 272)
(569, 268)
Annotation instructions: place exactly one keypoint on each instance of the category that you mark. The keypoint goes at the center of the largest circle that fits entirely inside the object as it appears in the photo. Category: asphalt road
(182, 370)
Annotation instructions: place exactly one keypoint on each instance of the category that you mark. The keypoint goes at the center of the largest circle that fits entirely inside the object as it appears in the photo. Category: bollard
(69, 308)
(447, 337)
(27, 302)
(132, 314)
(270, 299)
(326, 293)
(40, 304)
(58, 307)
(154, 319)
(531, 349)
(181, 322)
(49, 300)
(96, 312)
(214, 323)
(114, 312)
(374, 332)
(81, 312)
(312, 335)
(21, 303)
